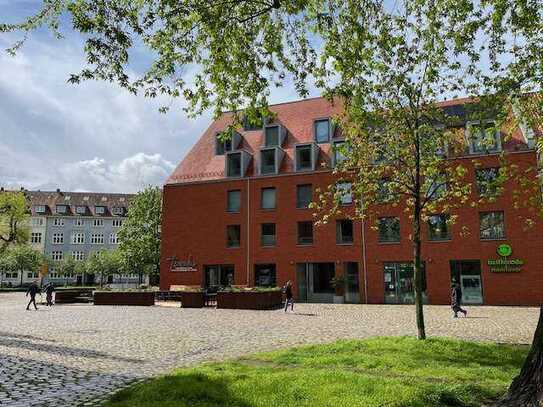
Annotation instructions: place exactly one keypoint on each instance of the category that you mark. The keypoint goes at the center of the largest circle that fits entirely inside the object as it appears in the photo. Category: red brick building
(236, 213)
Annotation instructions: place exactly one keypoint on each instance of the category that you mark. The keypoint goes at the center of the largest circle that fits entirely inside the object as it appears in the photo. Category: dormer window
(270, 160)
(118, 210)
(225, 144)
(236, 163)
(338, 151)
(274, 135)
(81, 210)
(306, 157)
(483, 137)
(39, 208)
(62, 209)
(322, 129)
(255, 124)
(99, 210)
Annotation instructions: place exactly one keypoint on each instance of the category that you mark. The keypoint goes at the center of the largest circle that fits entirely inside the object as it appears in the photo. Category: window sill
(439, 240)
(233, 247)
(345, 244)
(305, 244)
(234, 212)
(268, 209)
(389, 243)
(499, 239)
(303, 208)
(269, 247)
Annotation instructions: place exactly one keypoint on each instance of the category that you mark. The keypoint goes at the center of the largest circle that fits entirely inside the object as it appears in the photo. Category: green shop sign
(505, 265)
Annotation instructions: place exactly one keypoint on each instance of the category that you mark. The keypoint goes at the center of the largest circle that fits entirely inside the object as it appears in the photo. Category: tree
(21, 258)
(68, 266)
(13, 219)
(104, 263)
(139, 237)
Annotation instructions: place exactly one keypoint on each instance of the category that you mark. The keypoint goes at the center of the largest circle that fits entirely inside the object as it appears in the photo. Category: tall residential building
(236, 212)
(74, 224)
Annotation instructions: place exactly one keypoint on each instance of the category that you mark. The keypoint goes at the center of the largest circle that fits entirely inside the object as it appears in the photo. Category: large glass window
(323, 274)
(233, 235)
(221, 275)
(492, 225)
(484, 138)
(322, 131)
(344, 231)
(268, 199)
(265, 275)
(233, 167)
(268, 234)
(233, 201)
(305, 232)
(304, 195)
(389, 229)
(487, 181)
(304, 160)
(438, 227)
(400, 283)
(271, 136)
(267, 161)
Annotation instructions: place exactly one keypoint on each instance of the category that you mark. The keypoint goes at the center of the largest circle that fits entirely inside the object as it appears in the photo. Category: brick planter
(257, 300)
(192, 300)
(124, 298)
(72, 296)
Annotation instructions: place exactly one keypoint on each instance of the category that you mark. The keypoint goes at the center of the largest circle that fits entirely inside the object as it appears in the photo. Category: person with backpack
(287, 289)
(33, 289)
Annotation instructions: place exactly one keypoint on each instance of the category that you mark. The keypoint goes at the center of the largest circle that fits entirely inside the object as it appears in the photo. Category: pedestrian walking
(456, 300)
(49, 290)
(289, 298)
(33, 289)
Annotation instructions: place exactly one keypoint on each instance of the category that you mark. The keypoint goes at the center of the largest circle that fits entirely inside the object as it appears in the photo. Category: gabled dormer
(274, 135)
(306, 156)
(236, 163)
(225, 144)
(270, 160)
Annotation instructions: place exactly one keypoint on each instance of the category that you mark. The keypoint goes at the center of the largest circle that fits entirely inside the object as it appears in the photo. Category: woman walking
(456, 300)
(288, 294)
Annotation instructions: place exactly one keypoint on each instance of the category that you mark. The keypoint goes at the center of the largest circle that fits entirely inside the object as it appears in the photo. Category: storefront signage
(183, 266)
(505, 264)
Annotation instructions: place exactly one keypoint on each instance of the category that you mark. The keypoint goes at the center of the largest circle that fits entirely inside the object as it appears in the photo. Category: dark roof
(89, 200)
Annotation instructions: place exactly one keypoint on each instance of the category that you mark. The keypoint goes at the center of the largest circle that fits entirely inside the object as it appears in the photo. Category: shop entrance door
(352, 286)
(468, 274)
(400, 285)
(314, 281)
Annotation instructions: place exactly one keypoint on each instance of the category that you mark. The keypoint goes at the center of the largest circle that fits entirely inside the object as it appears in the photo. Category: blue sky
(94, 136)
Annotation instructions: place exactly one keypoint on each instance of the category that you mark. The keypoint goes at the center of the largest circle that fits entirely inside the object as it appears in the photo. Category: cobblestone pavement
(74, 355)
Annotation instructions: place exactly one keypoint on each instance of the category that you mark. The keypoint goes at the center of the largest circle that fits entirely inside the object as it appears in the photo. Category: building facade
(74, 224)
(236, 213)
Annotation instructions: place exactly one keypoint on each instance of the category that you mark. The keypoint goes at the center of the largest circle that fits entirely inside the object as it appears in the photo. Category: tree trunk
(417, 276)
(526, 390)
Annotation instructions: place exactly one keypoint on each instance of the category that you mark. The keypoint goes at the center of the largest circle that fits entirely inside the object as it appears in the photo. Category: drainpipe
(364, 259)
(248, 244)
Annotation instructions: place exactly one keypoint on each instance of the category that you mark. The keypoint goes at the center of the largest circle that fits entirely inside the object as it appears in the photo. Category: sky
(94, 136)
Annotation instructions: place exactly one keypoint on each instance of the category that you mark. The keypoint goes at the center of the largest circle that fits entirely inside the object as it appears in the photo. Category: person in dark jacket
(456, 300)
(288, 294)
(33, 289)
(49, 290)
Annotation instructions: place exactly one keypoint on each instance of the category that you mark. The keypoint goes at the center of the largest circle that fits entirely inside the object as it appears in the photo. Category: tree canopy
(14, 215)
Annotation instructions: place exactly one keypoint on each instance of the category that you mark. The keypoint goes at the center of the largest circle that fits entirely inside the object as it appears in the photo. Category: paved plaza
(72, 355)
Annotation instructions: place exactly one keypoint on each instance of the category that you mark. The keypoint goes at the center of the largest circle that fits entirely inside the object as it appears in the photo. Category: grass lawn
(391, 372)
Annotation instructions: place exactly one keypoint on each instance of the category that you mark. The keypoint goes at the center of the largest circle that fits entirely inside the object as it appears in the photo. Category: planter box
(73, 296)
(124, 298)
(249, 300)
(192, 300)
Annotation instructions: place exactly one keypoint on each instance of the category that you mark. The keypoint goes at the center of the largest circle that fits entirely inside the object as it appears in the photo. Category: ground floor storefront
(498, 280)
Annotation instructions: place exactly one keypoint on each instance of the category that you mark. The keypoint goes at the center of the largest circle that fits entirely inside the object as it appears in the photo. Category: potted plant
(339, 286)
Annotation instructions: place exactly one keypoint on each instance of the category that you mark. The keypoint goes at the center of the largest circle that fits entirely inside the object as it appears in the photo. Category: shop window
(221, 275)
(389, 230)
(268, 198)
(492, 225)
(400, 283)
(268, 234)
(344, 231)
(438, 227)
(265, 275)
(233, 236)
(305, 233)
(323, 274)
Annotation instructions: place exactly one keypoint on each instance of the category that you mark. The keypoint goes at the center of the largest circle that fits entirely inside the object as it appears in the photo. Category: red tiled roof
(202, 164)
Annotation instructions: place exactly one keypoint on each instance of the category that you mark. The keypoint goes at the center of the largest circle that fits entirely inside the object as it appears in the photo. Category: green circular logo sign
(504, 250)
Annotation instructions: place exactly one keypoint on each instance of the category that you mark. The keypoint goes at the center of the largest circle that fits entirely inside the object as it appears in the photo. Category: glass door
(468, 274)
(352, 287)
(400, 283)
(301, 281)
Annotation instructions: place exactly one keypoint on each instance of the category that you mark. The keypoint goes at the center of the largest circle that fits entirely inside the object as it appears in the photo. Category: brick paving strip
(75, 355)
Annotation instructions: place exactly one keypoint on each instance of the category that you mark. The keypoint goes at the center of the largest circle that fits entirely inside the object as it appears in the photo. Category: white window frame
(78, 209)
(78, 255)
(113, 238)
(56, 255)
(35, 237)
(97, 238)
(79, 222)
(58, 222)
(39, 208)
(99, 209)
(117, 223)
(78, 238)
(97, 223)
(57, 238)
